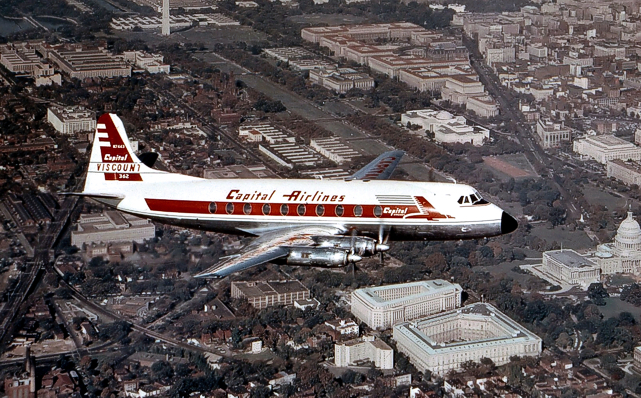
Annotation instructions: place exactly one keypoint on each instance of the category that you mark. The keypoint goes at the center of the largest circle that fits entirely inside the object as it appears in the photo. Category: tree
(597, 293)
(162, 370)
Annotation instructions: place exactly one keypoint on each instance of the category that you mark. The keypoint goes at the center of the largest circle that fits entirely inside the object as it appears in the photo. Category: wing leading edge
(380, 168)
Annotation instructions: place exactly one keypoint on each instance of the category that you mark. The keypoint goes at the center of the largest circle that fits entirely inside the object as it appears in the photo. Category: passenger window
(284, 209)
(229, 208)
(212, 207)
(320, 210)
(301, 210)
(378, 211)
(247, 208)
(339, 210)
(358, 210)
(267, 209)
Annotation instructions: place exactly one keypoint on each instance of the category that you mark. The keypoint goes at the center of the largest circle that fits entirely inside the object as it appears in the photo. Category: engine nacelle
(363, 246)
(320, 257)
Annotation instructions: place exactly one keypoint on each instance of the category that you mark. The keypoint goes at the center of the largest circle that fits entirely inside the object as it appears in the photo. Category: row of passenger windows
(285, 209)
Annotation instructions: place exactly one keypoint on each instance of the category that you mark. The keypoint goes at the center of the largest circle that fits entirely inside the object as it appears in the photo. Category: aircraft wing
(380, 168)
(268, 247)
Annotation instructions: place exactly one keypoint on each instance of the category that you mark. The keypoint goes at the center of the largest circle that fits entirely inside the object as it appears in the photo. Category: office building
(262, 294)
(441, 343)
(71, 120)
(86, 63)
(603, 148)
(569, 267)
(626, 171)
(360, 351)
(552, 134)
(383, 306)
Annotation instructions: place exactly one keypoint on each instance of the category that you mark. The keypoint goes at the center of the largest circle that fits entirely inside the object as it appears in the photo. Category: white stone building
(71, 120)
(568, 266)
(603, 148)
(383, 306)
(341, 80)
(624, 255)
(152, 63)
(441, 343)
(447, 128)
(552, 134)
(628, 172)
(355, 352)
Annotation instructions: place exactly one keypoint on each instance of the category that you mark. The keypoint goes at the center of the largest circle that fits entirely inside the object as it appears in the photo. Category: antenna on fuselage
(451, 179)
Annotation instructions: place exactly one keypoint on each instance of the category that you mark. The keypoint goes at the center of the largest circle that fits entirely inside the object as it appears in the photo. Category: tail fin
(112, 160)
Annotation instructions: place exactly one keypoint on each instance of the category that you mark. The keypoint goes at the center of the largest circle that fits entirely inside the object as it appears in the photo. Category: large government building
(624, 255)
(441, 343)
(570, 267)
(621, 256)
(382, 307)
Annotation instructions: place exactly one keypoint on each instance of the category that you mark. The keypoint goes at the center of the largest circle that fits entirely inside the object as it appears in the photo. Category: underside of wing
(271, 246)
(243, 261)
(380, 168)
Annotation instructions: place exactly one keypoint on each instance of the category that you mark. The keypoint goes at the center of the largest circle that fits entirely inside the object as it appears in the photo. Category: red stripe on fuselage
(178, 206)
(309, 210)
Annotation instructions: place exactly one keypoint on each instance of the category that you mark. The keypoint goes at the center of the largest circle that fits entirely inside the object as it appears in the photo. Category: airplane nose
(508, 223)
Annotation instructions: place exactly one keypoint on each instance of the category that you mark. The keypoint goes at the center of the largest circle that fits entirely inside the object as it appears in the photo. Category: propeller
(352, 257)
(382, 245)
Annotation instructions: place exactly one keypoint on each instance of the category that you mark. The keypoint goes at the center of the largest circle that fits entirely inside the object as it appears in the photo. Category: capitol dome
(629, 234)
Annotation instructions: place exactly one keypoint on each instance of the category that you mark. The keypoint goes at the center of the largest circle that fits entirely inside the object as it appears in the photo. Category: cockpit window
(474, 199)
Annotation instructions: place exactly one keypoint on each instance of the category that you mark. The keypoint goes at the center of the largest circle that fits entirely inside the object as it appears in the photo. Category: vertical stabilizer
(112, 161)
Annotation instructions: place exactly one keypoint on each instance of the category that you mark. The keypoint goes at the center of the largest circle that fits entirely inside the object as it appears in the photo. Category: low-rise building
(360, 351)
(262, 294)
(441, 343)
(604, 148)
(334, 149)
(110, 227)
(71, 120)
(343, 328)
(383, 306)
(264, 132)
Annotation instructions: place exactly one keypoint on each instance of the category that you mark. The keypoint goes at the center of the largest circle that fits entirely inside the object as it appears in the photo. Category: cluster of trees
(632, 294)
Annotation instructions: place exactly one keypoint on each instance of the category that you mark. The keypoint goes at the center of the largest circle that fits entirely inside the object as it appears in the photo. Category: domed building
(624, 255)
(571, 268)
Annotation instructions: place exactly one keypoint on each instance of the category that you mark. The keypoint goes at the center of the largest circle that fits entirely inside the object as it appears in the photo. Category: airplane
(302, 222)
